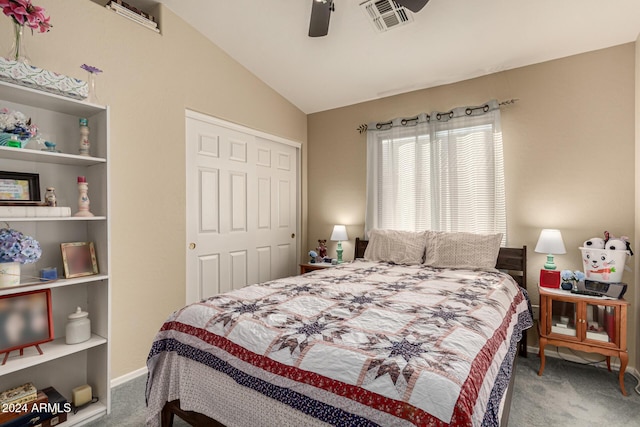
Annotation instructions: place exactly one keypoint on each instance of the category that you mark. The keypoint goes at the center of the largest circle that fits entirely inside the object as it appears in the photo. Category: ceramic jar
(78, 327)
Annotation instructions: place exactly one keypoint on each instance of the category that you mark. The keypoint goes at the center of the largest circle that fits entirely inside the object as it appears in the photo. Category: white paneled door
(242, 207)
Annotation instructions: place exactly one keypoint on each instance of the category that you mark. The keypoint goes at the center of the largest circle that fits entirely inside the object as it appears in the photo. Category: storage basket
(603, 265)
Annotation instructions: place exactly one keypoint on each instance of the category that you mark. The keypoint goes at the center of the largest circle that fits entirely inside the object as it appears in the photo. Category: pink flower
(24, 13)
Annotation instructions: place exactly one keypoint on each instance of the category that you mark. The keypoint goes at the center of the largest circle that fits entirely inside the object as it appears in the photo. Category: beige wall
(148, 81)
(568, 145)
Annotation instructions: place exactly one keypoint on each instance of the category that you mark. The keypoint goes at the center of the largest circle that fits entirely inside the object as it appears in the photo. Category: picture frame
(79, 259)
(19, 188)
(26, 319)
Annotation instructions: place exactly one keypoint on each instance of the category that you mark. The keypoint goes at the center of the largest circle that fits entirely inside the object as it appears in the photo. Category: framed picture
(19, 188)
(25, 320)
(79, 259)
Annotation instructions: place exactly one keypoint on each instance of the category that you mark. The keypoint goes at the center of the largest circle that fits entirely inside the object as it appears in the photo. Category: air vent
(386, 14)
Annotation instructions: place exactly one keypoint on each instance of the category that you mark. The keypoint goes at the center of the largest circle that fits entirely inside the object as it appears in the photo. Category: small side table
(569, 320)
(307, 267)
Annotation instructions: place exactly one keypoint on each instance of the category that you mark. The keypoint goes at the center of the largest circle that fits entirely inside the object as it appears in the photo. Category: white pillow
(462, 250)
(399, 247)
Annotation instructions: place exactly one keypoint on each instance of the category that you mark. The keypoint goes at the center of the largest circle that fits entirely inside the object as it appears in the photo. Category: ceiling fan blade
(413, 5)
(320, 15)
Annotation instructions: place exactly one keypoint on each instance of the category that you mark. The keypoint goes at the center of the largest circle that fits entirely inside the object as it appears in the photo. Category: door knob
(192, 246)
(293, 235)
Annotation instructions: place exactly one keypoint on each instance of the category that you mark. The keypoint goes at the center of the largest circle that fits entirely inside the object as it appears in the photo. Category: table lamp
(339, 234)
(550, 243)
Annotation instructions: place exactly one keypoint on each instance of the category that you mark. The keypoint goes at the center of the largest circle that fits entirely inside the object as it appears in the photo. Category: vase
(18, 52)
(567, 286)
(9, 274)
(91, 83)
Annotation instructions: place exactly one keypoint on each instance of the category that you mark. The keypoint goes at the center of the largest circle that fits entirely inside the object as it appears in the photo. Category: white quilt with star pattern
(364, 343)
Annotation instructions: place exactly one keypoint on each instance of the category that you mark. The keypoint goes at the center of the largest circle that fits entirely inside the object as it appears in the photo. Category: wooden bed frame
(511, 260)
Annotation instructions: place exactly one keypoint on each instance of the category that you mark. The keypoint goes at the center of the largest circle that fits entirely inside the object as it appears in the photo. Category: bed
(372, 342)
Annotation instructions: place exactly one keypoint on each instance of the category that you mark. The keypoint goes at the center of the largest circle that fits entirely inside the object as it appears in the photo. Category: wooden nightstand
(305, 268)
(584, 323)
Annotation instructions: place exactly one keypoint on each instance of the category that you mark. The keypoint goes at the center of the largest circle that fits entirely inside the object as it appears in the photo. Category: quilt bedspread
(360, 344)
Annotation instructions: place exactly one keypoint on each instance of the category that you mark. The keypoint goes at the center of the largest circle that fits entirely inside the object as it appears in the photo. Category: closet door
(242, 207)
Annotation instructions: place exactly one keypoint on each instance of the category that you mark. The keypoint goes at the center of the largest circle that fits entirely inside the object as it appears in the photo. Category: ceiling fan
(321, 13)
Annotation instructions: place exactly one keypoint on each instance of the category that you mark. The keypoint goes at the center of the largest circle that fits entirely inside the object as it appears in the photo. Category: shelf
(36, 286)
(51, 351)
(25, 154)
(36, 98)
(90, 413)
(52, 218)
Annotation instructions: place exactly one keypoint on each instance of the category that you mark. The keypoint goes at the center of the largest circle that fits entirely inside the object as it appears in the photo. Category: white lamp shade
(550, 242)
(339, 233)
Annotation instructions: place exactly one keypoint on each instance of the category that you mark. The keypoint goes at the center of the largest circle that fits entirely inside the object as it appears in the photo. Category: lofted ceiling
(448, 41)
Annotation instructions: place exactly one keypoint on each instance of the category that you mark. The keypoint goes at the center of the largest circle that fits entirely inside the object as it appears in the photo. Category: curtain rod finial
(362, 128)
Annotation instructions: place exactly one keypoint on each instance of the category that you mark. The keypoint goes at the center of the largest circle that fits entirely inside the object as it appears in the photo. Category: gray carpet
(568, 394)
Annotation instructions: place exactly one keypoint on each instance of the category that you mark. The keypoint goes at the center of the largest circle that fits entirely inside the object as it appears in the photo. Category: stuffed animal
(616, 245)
(594, 243)
(322, 248)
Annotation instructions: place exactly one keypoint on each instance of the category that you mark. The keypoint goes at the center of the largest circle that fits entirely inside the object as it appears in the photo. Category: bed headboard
(512, 260)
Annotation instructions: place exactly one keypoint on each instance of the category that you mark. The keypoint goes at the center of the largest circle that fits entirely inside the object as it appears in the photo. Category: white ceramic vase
(9, 274)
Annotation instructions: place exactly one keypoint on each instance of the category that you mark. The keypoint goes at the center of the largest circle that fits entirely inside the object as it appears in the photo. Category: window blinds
(442, 171)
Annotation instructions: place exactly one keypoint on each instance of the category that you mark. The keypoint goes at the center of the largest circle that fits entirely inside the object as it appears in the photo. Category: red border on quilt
(462, 411)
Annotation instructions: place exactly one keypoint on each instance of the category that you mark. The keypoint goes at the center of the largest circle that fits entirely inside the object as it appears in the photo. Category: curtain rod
(363, 127)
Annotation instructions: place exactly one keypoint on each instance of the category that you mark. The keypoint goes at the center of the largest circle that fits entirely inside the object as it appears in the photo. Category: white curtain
(441, 171)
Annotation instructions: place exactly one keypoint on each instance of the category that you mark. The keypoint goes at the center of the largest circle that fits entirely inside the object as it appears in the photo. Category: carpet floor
(568, 394)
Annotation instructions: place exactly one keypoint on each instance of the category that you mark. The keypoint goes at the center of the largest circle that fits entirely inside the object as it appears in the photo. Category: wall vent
(386, 14)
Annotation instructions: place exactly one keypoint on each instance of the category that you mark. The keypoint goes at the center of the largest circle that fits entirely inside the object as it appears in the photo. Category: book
(563, 329)
(52, 412)
(21, 394)
(598, 336)
(12, 411)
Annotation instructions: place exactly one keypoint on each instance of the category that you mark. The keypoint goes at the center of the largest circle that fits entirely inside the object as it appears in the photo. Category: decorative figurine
(322, 248)
(83, 198)
(84, 137)
(313, 255)
(50, 197)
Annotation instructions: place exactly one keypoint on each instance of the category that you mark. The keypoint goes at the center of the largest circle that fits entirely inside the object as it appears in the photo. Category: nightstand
(584, 323)
(305, 268)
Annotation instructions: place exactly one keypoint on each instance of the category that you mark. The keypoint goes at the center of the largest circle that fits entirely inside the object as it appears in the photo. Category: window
(440, 172)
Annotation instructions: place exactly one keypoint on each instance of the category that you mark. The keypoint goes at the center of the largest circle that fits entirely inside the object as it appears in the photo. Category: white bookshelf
(63, 366)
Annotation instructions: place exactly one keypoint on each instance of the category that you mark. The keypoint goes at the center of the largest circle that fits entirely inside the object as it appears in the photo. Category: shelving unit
(65, 366)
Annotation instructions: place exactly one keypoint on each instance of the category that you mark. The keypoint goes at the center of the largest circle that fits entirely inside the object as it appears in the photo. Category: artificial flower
(24, 13)
(17, 123)
(91, 69)
(18, 247)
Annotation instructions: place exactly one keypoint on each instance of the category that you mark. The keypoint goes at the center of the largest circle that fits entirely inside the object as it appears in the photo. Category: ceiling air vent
(386, 14)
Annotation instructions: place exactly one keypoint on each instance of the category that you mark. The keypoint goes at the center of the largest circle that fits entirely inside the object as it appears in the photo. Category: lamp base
(549, 265)
(339, 252)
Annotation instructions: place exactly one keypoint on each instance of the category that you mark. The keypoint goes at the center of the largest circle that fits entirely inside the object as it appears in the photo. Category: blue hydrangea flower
(17, 247)
(566, 275)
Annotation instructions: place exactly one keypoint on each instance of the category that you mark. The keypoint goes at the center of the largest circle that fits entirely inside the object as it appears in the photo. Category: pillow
(462, 250)
(399, 247)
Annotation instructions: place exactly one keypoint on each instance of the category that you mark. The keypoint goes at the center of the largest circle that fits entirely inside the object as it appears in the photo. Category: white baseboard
(128, 377)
